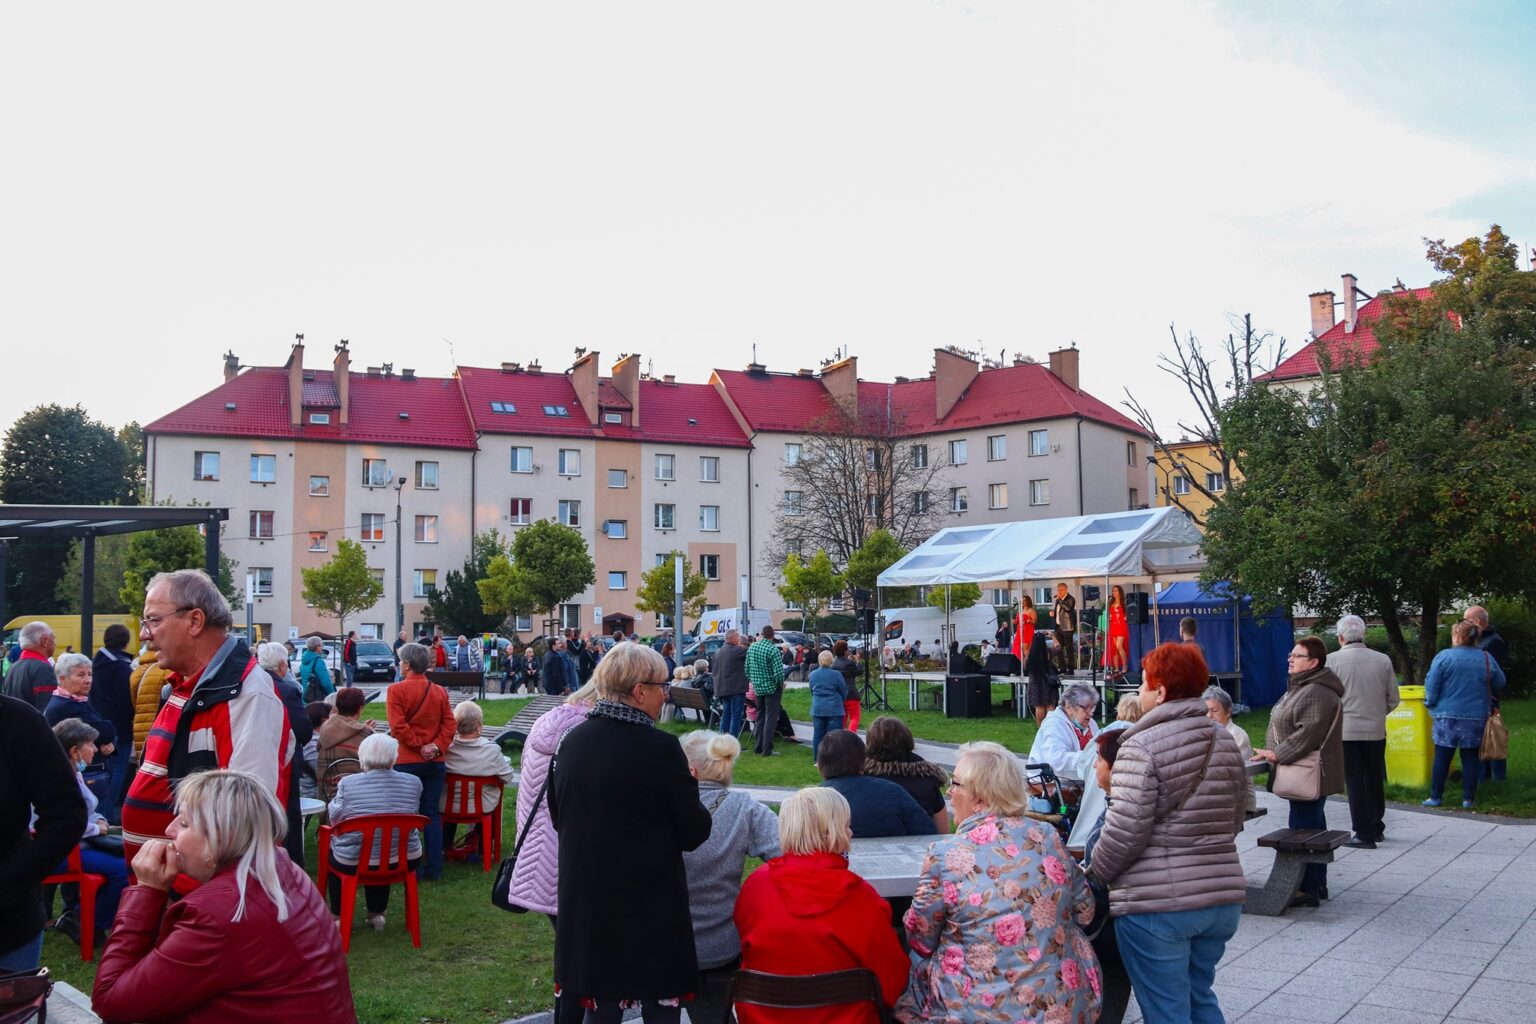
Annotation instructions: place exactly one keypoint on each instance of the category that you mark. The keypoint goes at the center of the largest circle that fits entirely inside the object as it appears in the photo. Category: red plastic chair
(378, 831)
(466, 791)
(89, 884)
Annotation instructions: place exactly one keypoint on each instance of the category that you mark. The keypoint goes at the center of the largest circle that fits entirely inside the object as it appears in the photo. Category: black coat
(626, 809)
(110, 693)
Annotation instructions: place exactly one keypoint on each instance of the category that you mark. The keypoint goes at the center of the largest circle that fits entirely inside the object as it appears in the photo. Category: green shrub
(1516, 622)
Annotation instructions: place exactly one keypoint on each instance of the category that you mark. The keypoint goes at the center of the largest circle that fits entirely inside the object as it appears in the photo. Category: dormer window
(319, 419)
(556, 410)
(505, 408)
(612, 417)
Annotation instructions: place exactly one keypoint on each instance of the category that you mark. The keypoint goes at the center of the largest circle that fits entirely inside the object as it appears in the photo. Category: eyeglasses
(666, 688)
(1293, 656)
(151, 623)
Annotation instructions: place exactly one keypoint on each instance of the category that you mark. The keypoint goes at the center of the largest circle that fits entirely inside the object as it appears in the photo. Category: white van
(906, 625)
(720, 622)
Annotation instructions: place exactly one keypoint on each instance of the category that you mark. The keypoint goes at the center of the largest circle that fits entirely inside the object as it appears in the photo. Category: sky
(699, 182)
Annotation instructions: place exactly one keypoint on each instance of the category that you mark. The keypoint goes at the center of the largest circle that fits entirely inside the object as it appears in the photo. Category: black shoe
(1322, 893)
(67, 925)
(1305, 899)
(1361, 844)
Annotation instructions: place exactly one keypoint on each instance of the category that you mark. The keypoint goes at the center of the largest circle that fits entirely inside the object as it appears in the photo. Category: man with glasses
(223, 712)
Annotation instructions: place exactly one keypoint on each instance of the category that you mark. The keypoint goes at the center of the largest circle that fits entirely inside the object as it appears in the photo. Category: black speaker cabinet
(968, 696)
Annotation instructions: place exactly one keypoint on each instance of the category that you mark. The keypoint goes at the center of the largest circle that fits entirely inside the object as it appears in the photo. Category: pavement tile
(1435, 981)
(1291, 964)
(1236, 1000)
(1516, 963)
(1319, 1007)
(1492, 1009)
(1259, 1017)
(1431, 1004)
(1458, 958)
(1370, 1013)
(1257, 978)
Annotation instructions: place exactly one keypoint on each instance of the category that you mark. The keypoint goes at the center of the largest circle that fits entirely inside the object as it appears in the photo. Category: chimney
(1064, 365)
(952, 374)
(1350, 311)
(341, 370)
(534, 367)
(669, 378)
(841, 379)
(231, 366)
(295, 368)
(584, 381)
(1322, 312)
(407, 374)
(626, 378)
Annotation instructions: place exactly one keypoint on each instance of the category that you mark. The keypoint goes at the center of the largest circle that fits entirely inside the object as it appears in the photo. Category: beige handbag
(1303, 779)
(1495, 746)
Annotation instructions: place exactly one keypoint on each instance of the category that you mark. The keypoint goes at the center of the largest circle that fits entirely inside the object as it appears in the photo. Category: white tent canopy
(1140, 543)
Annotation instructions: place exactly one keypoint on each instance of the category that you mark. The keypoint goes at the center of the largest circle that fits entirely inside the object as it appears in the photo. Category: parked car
(705, 649)
(375, 661)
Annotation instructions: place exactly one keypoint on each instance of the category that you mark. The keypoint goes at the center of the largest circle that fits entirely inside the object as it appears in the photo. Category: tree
(956, 595)
(879, 552)
(658, 583)
(548, 565)
(1484, 286)
(810, 585)
(457, 605)
(157, 551)
(54, 455)
(342, 586)
(111, 556)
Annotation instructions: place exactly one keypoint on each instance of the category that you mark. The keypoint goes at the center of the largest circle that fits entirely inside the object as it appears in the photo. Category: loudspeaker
(1136, 613)
(1002, 664)
(860, 597)
(867, 621)
(967, 696)
(1090, 594)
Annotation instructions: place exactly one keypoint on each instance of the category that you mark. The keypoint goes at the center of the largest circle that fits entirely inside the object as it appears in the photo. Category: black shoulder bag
(501, 889)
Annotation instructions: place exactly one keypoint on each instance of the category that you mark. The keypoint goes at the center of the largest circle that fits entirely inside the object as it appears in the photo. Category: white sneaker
(376, 922)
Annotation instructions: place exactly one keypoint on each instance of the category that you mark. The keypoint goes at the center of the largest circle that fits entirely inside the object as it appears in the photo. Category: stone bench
(1294, 848)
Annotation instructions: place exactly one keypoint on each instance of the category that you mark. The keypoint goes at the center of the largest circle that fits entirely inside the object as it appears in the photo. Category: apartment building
(1344, 327)
(1188, 475)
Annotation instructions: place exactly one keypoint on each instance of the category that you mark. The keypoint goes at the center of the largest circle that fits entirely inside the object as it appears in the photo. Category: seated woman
(251, 942)
(1094, 802)
(377, 789)
(805, 912)
(338, 738)
(878, 807)
(890, 753)
(1067, 731)
(72, 700)
(318, 712)
(740, 827)
(79, 742)
(1218, 708)
(995, 925)
(473, 755)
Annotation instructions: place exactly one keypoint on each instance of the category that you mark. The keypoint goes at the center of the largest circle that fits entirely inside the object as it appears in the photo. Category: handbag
(1302, 779)
(1495, 745)
(24, 995)
(501, 888)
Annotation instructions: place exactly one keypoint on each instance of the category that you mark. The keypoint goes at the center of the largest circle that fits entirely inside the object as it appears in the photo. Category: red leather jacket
(191, 964)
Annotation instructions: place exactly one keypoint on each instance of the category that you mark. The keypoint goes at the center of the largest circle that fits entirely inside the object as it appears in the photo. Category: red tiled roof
(320, 393)
(528, 392)
(1341, 344)
(681, 414)
(260, 394)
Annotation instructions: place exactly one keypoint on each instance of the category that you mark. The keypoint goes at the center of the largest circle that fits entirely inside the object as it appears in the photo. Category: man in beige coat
(1370, 694)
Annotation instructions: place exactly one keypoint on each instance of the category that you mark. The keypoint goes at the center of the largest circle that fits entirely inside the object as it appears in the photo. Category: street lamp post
(399, 592)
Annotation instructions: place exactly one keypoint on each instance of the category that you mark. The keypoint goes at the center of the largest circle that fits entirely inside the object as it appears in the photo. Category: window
(570, 513)
(319, 419)
(261, 525)
(378, 577)
(373, 526)
(613, 417)
(618, 478)
(791, 454)
(1039, 492)
(263, 469)
(556, 410)
(709, 518)
(261, 581)
(426, 476)
(617, 529)
(522, 460)
(426, 529)
(1044, 596)
(998, 597)
(1180, 483)
(794, 503)
(666, 467)
(1130, 453)
(523, 624)
(919, 502)
(205, 465)
(570, 462)
(375, 473)
(663, 620)
(997, 447)
(318, 540)
(918, 454)
(319, 487)
(873, 505)
(618, 581)
(709, 566)
(425, 582)
(666, 517)
(1039, 442)
(997, 496)
(872, 460)
(663, 559)
(1215, 482)
(959, 501)
(370, 630)
(709, 469)
(521, 513)
(570, 616)
(503, 408)
(1133, 500)
(957, 453)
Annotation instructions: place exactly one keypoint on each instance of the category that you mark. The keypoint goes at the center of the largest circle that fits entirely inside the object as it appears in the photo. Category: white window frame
(1039, 443)
(999, 597)
(917, 454)
(376, 535)
(616, 529)
(566, 460)
(321, 491)
(568, 512)
(959, 499)
(920, 502)
(200, 466)
(664, 515)
(997, 447)
(1133, 498)
(570, 616)
(524, 464)
(709, 566)
(260, 462)
(793, 451)
(1181, 483)
(420, 588)
(527, 511)
(1040, 491)
(319, 541)
(794, 503)
(622, 477)
(1215, 482)
(375, 472)
(666, 467)
(958, 452)
(320, 419)
(425, 530)
(618, 579)
(997, 496)
(709, 518)
(261, 585)
(522, 624)
(256, 521)
(709, 469)
(370, 631)
(1130, 453)
(420, 481)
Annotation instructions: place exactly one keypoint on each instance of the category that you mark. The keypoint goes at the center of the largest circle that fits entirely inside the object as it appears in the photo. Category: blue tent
(1255, 646)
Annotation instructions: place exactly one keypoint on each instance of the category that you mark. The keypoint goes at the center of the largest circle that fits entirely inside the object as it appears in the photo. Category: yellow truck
(66, 629)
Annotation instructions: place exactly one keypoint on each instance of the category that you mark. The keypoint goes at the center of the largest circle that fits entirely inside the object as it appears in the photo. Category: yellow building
(1182, 471)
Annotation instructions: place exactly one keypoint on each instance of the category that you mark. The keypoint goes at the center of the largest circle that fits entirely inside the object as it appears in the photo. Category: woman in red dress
(1024, 628)
(1117, 639)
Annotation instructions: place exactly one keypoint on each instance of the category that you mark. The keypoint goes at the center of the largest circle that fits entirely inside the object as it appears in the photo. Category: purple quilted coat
(536, 875)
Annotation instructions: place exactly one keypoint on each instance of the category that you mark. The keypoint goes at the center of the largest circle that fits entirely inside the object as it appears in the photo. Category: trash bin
(1410, 751)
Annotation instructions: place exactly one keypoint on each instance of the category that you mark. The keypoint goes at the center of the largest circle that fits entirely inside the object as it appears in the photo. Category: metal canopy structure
(87, 522)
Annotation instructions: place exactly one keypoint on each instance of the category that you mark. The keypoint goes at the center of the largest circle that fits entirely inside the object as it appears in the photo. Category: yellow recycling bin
(1409, 749)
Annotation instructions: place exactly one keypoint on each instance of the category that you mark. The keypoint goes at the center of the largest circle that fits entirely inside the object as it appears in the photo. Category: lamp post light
(399, 592)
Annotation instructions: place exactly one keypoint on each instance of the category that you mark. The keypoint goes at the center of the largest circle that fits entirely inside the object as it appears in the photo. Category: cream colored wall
(688, 492)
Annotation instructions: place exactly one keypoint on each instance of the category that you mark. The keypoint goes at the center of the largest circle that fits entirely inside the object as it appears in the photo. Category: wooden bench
(1294, 848)
(686, 698)
(517, 729)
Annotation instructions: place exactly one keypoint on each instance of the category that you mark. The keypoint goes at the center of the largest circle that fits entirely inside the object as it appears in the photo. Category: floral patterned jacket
(995, 929)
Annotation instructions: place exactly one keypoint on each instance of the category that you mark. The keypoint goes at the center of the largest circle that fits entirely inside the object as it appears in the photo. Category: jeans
(1311, 814)
(820, 726)
(1171, 957)
(110, 866)
(767, 718)
(431, 776)
(26, 957)
(351, 672)
(375, 897)
(733, 712)
(120, 773)
(1470, 770)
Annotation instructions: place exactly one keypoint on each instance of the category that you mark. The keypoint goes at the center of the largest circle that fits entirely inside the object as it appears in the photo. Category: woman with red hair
(1167, 852)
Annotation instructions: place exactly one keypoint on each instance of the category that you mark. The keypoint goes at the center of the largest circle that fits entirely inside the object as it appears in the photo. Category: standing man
(1492, 644)
(223, 712)
(349, 656)
(730, 672)
(765, 671)
(31, 679)
(1064, 611)
(1370, 694)
(112, 697)
(553, 676)
(466, 655)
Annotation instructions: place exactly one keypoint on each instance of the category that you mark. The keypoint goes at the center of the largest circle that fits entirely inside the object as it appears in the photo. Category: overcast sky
(473, 183)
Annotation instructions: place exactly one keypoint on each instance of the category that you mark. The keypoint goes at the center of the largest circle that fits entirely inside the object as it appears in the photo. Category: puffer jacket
(1307, 719)
(536, 875)
(1152, 857)
(145, 684)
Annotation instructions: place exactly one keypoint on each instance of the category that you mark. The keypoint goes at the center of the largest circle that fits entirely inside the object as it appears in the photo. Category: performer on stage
(1024, 631)
(1064, 611)
(1117, 637)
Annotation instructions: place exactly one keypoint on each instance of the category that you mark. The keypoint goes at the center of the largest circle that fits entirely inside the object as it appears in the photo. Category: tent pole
(1157, 637)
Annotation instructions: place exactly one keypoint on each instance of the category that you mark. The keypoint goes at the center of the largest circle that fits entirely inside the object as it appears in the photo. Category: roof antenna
(452, 359)
(754, 351)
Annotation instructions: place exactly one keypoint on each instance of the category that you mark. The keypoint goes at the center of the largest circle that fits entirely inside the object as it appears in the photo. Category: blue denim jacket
(1458, 682)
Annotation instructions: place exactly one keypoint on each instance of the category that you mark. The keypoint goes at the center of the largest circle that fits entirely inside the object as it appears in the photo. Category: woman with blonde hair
(806, 912)
(251, 944)
(740, 827)
(995, 925)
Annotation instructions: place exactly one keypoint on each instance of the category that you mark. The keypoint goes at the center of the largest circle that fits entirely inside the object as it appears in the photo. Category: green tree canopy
(879, 552)
(657, 583)
(810, 584)
(961, 595)
(111, 556)
(549, 564)
(157, 551)
(342, 586)
(457, 605)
